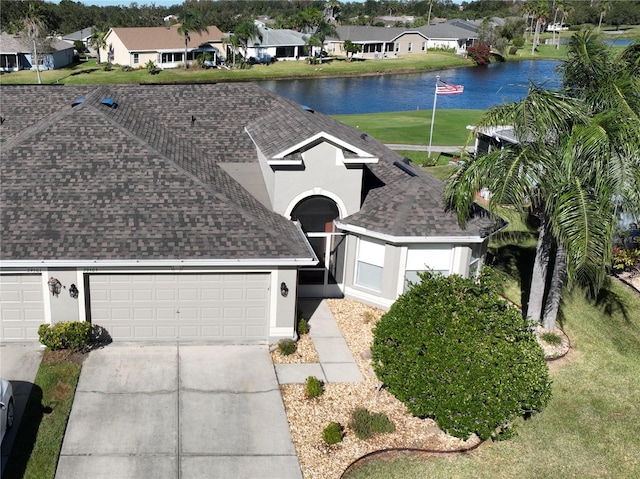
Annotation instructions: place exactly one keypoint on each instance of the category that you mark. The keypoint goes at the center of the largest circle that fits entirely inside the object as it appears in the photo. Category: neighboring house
(83, 35)
(15, 54)
(389, 42)
(135, 46)
(277, 44)
(204, 211)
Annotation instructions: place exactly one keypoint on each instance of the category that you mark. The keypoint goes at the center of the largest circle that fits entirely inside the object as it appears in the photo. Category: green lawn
(413, 127)
(590, 428)
(39, 439)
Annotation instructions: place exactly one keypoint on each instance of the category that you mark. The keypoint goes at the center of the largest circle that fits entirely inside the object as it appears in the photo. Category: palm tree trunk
(555, 290)
(536, 37)
(186, 45)
(539, 276)
(35, 59)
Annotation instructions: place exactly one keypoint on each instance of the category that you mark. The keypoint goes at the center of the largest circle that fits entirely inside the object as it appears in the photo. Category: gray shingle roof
(91, 182)
(149, 179)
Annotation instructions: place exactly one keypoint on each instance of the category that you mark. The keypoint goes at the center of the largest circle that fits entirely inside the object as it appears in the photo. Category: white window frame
(410, 47)
(370, 256)
(136, 58)
(424, 46)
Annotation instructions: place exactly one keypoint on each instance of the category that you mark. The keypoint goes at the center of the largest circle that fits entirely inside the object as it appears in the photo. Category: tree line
(69, 16)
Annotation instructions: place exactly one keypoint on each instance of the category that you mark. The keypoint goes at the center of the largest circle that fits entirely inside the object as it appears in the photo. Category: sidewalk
(336, 361)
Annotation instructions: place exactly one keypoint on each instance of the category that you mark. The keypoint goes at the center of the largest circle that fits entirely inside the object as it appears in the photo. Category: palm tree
(191, 23)
(231, 43)
(97, 41)
(540, 13)
(573, 166)
(34, 25)
(245, 32)
(604, 8)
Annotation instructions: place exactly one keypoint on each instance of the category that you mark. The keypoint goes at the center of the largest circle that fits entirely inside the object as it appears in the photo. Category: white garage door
(21, 307)
(221, 307)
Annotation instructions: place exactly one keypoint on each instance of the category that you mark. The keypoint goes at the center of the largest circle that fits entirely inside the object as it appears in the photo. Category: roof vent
(405, 168)
(308, 108)
(77, 102)
(110, 102)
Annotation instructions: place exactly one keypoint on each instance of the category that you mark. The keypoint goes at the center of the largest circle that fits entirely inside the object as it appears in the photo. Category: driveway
(178, 411)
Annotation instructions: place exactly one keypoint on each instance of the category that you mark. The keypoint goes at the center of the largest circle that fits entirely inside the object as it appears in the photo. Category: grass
(39, 439)
(91, 73)
(589, 430)
(412, 127)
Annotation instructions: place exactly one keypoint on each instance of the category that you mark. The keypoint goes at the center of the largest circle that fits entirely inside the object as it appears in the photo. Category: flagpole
(433, 114)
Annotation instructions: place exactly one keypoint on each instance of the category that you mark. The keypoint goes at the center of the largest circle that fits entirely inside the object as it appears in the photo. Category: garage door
(21, 307)
(232, 308)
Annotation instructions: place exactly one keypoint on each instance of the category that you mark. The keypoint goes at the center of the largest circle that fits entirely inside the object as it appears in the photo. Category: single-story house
(135, 46)
(277, 44)
(83, 35)
(390, 42)
(16, 54)
(205, 217)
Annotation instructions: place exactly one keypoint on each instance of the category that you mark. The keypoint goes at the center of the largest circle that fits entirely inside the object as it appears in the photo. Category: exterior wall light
(54, 286)
(73, 291)
(284, 291)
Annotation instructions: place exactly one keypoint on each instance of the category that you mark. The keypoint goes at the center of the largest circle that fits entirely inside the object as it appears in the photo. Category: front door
(316, 214)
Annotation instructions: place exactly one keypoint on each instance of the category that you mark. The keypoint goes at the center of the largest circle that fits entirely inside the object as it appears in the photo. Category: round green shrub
(287, 346)
(333, 433)
(551, 338)
(452, 350)
(73, 335)
(313, 387)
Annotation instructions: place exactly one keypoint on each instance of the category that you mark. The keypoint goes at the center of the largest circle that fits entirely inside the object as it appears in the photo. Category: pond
(483, 87)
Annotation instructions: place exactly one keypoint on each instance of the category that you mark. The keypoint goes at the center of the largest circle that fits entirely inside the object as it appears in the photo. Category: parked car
(6, 407)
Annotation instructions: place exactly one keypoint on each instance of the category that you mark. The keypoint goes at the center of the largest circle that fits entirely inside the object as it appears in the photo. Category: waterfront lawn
(590, 427)
(412, 127)
(91, 73)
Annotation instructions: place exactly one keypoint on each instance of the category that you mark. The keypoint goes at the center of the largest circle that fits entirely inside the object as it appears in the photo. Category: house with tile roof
(135, 46)
(188, 220)
(391, 42)
(15, 54)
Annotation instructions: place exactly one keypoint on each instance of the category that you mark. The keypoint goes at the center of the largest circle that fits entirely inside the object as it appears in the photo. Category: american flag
(443, 88)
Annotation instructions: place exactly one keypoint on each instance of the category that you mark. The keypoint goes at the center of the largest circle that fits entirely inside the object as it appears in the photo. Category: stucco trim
(317, 191)
(409, 239)
(361, 153)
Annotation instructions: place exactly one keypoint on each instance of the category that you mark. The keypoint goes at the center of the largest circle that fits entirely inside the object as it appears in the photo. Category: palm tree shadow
(611, 302)
(515, 261)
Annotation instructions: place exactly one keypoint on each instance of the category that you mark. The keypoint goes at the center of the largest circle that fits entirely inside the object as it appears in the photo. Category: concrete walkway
(178, 411)
(336, 361)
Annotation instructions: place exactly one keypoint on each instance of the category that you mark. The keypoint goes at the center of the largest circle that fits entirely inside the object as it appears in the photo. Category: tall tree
(34, 29)
(604, 6)
(540, 12)
(97, 41)
(575, 163)
(245, 32)
(191, 23)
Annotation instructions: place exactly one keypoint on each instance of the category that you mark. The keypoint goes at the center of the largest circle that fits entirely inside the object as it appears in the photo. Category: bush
(151, 67)
(107, 67)
(73, 335)
(303, 327)
(365, 425)
(313, 387)
(126, 68)
(287, 347)
(480, 54)
(513, 50)
(453, 350)
(518, 42)
(333, 433)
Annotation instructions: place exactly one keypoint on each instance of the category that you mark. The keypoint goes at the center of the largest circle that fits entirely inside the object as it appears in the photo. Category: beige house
(135, 46)
(391, 42)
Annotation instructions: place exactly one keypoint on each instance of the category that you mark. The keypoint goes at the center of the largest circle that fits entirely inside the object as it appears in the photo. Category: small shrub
(313, 387)
(151, 67)
(107, 67)
(518, 42)
(126, 68)
(73, 335)
(287, 346)
(303, 327)
(513, 50)
(479, 53)
(365, 425)
(551, 338)
(333, 433)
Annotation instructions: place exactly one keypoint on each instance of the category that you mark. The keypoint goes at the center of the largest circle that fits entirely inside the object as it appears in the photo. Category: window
(424, 46)
(476, 260)
(370, 265)
(435, 258)
(397, 47)
(136, 58)
(410, 47)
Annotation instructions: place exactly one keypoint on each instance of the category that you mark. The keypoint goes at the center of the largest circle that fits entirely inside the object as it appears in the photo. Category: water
(483, 87)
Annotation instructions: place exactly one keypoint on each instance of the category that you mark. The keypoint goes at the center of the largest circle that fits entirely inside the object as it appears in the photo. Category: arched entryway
(316, 215)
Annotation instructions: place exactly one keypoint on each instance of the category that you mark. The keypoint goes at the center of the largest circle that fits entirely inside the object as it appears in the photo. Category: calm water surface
(483, 87)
